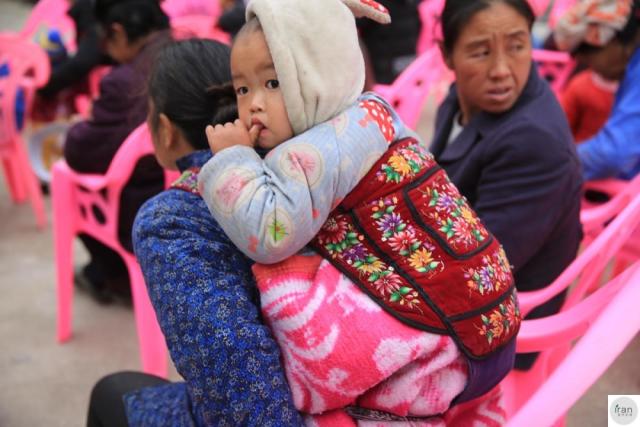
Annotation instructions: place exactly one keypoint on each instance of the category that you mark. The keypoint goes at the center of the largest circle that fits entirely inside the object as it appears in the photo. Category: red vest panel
(410, 240)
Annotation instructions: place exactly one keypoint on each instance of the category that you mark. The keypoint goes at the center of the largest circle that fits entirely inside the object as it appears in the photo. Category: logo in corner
(623, 410)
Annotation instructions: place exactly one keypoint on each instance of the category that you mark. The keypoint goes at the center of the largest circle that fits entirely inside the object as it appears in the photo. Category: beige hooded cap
(316, 55)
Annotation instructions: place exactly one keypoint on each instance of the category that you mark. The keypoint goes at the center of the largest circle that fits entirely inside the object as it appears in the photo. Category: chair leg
(63, 233)
(32, 185)
(11, 173)
(153, 347)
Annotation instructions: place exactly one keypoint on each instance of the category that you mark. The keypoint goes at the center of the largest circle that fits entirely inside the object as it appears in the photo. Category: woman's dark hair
(625, 36)
(457, 13)
(188, 83)
(138, 17)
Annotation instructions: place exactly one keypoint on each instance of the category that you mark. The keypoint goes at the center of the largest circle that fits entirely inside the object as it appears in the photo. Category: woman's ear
(445, 56)
(117, 32)
(166, 132)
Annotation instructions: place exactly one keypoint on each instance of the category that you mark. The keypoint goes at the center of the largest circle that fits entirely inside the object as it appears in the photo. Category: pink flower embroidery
(333, 231)
(387, 283)
(402, 242)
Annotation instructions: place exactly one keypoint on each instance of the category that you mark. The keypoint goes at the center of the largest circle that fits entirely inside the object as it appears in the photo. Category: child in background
(433, 314)
(587, 101)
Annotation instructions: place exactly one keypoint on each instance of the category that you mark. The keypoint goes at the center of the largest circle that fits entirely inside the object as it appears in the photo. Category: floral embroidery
(404, 163)
(341, 241)
(502, 320)
(188, 181)
(493, 275)
(422, 260)
(401, 237)
(418, 243)
(452, 215)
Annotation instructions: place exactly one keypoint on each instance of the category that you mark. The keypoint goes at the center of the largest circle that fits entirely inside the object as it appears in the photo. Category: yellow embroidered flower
(400, 165)
(468, 215)
(497, 327)
(421, 259)
(375, 266)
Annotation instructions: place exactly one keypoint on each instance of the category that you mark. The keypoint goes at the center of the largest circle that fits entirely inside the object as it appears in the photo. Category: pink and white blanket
(340, 348)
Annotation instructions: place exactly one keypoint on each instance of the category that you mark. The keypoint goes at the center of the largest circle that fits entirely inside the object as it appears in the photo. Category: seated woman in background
(504, 142)
(133, 32)
(604, 35)
(200, 284)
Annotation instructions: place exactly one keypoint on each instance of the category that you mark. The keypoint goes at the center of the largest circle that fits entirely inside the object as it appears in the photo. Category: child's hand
(230, 134)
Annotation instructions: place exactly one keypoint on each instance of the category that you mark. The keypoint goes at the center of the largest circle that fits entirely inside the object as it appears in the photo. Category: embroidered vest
(410, 241)
(188, 181)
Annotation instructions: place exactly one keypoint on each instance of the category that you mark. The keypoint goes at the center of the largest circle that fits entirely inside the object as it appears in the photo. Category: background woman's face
(117, 45)
(609, 61)
(491, 60)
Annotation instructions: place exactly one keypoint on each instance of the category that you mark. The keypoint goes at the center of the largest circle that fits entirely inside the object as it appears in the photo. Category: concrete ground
(47, 384)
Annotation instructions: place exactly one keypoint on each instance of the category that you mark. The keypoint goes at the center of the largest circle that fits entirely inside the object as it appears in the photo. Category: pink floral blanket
(340, 348)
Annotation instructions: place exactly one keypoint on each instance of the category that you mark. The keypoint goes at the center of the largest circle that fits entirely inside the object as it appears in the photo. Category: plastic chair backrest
(99, 195)
(589, 265)
(49, 14)
(539, 6)
(607, 320)
(427, 75)
(179, 8)
(593, 216)
(200, 26)
(431, 32)
(555, 67)
(29, 69)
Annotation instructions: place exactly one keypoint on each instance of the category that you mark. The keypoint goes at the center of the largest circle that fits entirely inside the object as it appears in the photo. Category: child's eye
(242, 90)
(273, 84)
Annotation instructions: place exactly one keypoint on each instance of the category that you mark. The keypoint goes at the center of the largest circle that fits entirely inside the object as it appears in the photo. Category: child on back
(432, 315)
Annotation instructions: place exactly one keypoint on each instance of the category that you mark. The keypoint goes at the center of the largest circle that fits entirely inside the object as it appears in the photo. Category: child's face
(260, 100)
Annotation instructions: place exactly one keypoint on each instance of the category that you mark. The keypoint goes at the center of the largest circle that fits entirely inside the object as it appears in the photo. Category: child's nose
(257, 102)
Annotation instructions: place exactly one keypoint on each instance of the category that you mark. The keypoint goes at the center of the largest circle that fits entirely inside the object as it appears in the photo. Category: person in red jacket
(587, 101)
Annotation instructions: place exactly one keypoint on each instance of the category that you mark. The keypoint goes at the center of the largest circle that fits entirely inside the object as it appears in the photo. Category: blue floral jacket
(207, 305)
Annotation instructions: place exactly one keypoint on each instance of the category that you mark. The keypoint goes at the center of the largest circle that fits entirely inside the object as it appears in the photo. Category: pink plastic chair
(594, 216)
(408, 92)
(200, 26)
(179, 8)
(582, 274)
(607, 320)
(554, 67)
(28, 69)
(539, 6)
(431, 32)
(49, 14)
(75, 198)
